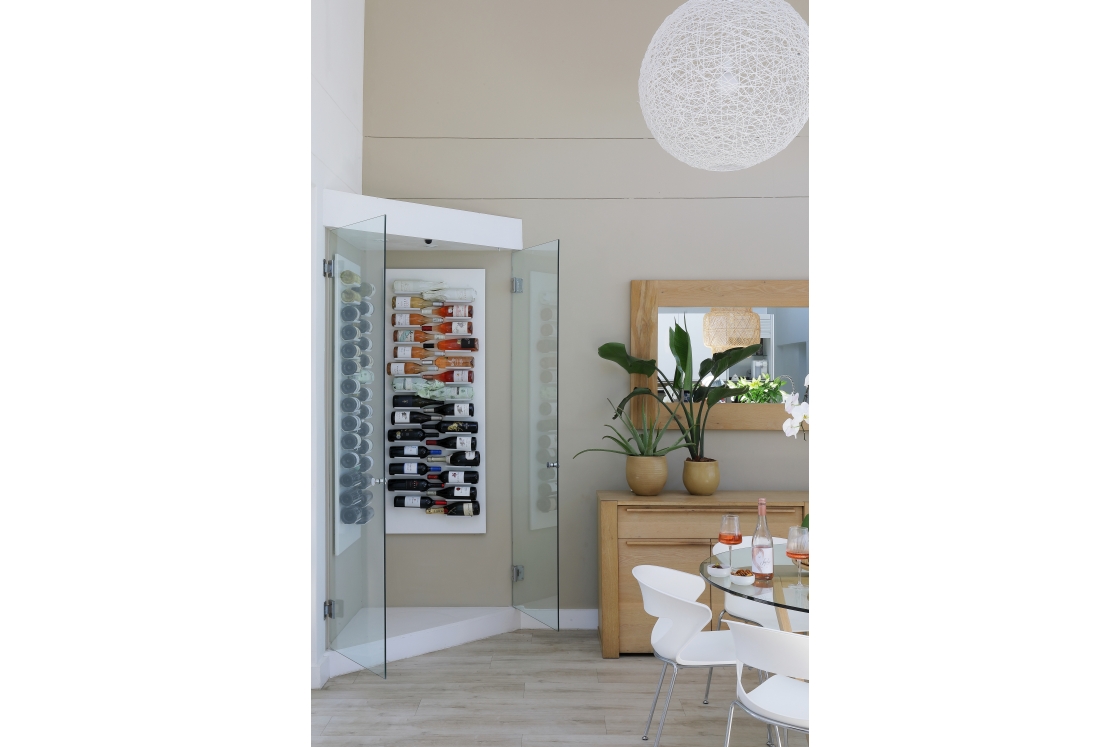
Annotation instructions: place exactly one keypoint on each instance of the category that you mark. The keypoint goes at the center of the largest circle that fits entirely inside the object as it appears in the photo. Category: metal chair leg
(730, 715)
(769, 736)
(652, 708)
(709, 687)
(719, 620)
(778, 734)
(664, 713)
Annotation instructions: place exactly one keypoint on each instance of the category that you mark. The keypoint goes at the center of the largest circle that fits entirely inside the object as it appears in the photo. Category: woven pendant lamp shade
(726, 328)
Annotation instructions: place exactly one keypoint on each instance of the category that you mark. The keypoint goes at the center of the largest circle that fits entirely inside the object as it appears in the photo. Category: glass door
(355, 448)
(536, 332)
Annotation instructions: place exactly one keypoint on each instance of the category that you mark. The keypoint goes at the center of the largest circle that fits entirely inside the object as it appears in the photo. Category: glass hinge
(515, 285)
(328, 268)
(519, 573)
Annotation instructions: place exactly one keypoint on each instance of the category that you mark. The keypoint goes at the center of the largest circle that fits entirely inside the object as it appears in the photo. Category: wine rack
(543, 339)
(406, 312)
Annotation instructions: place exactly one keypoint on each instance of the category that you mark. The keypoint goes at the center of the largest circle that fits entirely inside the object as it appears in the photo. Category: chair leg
(664, 713)
(652, 708)
(709, 687)
(719, 620)
(769, 736)
(730, 715)
(778, 734)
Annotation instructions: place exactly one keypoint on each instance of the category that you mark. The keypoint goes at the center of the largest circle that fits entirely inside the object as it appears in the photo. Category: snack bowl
(738, 578)
(720, 571)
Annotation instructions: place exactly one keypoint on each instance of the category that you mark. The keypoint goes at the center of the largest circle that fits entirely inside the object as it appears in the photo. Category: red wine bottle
(411, 468)
(453, 409)
(413, 400)
(402, 434)
(454, 493)
(416, 501)
(455, 426)
(460, 443)
(405, 417)
(403, 452)
(456, 476)
(412, 485)
(459, 459)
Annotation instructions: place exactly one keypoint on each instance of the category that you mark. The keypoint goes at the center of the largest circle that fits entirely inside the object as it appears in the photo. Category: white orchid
(799, 413)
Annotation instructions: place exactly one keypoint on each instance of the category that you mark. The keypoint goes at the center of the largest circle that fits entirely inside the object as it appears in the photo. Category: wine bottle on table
(451, 295)
(417, 501)
(447, 328)
(407, 369)
(411, 468)
(455, 426)
(459, 443)
(455, 343)
(451, 409)
(420, 452)
(451, 376)
(407, 434)
(455, 310)
(459, 459)
(417, 286)
(762, 546)
(456, 477)
(404, 417)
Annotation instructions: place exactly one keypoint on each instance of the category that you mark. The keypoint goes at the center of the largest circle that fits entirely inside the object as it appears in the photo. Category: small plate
(743, 579)
(719, 572)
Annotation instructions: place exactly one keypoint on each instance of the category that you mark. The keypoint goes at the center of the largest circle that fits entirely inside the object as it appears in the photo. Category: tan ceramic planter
(701, 478)
(646, 475)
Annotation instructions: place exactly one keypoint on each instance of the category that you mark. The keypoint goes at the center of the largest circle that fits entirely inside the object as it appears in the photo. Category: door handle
(552, 464)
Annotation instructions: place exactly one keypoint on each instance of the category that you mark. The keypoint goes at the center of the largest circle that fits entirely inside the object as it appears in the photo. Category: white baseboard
(579, 619)
(320, 672)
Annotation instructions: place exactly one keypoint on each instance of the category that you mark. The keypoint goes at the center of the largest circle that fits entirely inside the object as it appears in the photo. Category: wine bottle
(363, 394)
(406, 369)
(364, 429)
(349, 404)
(546, 346)
(363, 343)
(453, 361)
(404, 417)
(548, 376)
(412, 320)
(404, 303)
(355, 497)
(420, 452)
(457, 311)
(455, 426)
(546, 425)
(460, 343)
(411, 485)
(407, 352)
(413, 335)
(455, 477)
(364, 412)
(350, 423)
(349, 367)
(549, 362)
(365, 326)
(366, 291)
(412, 400)
(349, 295)
(365, 308)
(407, 434)
(349, 350)
(348, 460)
(417, 501)
(450, 376)
(463, 508)
(365, 447)
(546, 505)
(548, 330)
(350, 514)
(349, 332)
(350, 441)
(447, 328)
(365, 463)
(454, 492)
(349, 313)
(364, 377)
(417, 286)
(349, 386)
(412, 468)
(366, 515)
(762, 546)
(459, 459)
(465, 295)
(354, 480)
(350, 277)
(459, 443)
(450, 409)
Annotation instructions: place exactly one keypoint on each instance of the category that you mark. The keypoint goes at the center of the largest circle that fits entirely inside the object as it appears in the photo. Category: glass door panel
(355, 448)
(536, 330)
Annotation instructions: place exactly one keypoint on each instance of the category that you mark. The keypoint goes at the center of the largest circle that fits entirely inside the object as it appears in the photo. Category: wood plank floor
(531, 688)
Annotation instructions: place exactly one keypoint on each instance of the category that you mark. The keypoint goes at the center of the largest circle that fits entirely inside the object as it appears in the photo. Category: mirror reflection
(780, 365)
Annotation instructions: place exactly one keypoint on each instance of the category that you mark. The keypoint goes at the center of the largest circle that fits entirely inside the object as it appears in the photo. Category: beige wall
(529, 109)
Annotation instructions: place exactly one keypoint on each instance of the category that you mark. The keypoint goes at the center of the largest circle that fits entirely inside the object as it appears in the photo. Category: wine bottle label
(406, 335)
(460, 328)
(763, 560)
(468, 509)
(397, 369)
(412, 501)
(460, 309)
(402, 320)
(462, 442)
(410, 468)
(400, 417)
(402, 302)
(462, 409)
(403, 352)
(456, 476)
(470, 455)
(412, 451)
(461, 492)
(460, 374)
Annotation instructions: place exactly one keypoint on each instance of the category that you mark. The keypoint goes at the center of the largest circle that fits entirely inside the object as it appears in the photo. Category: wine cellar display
(435, 401)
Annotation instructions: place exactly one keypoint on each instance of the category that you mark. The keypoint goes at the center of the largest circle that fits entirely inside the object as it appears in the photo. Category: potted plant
(646, 470)
(762, 390)
(694, 399)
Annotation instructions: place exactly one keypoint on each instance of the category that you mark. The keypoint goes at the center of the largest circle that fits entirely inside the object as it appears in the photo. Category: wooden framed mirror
(783, 307)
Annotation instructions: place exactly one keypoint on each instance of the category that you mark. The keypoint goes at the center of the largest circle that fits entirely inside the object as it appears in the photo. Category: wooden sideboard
(674, 530)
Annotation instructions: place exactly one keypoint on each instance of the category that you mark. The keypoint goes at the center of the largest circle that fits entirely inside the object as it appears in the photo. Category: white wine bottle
(454, 295)
(350, 277)
(417, 286)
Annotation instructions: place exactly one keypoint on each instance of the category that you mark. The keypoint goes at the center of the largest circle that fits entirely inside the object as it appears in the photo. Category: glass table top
(781, 591)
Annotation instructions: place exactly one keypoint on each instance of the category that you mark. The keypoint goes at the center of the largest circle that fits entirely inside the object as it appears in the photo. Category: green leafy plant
(805, 521)
(643, 441)
(693, 399)
(762, 390)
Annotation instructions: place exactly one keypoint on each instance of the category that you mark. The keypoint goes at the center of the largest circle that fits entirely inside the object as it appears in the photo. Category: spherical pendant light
(725, 83)
(726, 328)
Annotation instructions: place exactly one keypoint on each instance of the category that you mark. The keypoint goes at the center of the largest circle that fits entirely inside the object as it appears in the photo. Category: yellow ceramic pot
(701, 478)
(646, 475)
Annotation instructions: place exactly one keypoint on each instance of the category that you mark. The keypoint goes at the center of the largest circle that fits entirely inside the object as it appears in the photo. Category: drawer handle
(666, 543)
(769, 510)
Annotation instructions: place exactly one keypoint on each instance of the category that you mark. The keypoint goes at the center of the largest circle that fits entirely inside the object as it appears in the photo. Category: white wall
(337, 69)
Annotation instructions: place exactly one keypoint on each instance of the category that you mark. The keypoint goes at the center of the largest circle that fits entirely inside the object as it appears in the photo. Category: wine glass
(730, 535)
(797, 550)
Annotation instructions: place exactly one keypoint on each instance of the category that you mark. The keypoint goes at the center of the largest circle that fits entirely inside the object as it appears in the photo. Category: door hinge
(515, 285)
(332, 608)
(328, 268)
(518, 573)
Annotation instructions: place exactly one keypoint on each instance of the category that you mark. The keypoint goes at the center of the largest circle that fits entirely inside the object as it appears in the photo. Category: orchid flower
(799, 413)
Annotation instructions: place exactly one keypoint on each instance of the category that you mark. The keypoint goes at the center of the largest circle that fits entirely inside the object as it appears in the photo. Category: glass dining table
(781, 592)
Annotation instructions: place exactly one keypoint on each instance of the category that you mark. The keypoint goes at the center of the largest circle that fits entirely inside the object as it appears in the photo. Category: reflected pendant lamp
(724, 84)
(726, 328)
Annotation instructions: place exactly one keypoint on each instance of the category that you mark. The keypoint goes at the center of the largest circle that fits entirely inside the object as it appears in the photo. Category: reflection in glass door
(536, 332)
(355, 433)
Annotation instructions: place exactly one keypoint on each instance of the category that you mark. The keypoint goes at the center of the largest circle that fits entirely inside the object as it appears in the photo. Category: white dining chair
(751, 611)
(678, 637)
(781, 700)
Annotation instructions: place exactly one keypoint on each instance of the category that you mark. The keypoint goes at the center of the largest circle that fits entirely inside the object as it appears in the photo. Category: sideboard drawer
(700, 522)
(679, 554)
